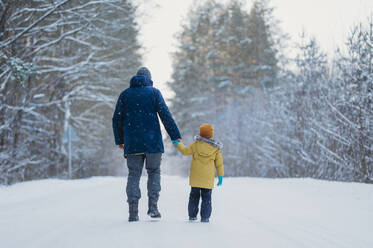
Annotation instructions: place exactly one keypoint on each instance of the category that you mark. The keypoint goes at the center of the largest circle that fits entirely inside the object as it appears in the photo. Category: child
(206, 157)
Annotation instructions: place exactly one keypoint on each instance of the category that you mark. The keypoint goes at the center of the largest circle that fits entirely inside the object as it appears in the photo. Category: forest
(63, 64)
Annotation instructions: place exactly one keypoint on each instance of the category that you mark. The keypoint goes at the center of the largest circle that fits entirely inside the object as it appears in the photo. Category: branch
(34, 24)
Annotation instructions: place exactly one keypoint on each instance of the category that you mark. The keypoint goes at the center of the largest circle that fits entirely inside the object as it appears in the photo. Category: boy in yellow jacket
(207, 156)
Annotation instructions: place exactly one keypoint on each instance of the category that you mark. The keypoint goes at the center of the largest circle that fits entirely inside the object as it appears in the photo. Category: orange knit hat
(206, 131)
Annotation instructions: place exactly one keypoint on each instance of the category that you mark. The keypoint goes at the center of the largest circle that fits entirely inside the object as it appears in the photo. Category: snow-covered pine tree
(262, 52)
(304, 111)
(192, 73)
(354, 102)
(225, 54)
(326, 118)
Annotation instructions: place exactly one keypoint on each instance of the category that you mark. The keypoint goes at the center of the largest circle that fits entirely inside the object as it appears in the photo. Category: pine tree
(355, 101)
(192, 68)
(225, 54)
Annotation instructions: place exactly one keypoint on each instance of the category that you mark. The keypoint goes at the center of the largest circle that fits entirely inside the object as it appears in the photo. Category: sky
(329, 21)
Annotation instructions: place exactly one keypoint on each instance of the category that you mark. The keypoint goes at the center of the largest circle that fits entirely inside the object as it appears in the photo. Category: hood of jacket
(206, 147)
(140, 81)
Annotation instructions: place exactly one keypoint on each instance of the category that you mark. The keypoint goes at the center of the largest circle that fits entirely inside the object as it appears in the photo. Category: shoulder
(157, 94)
(155, 90)
(122, 95)
(193, 146)
(124, 92)
(127, 92)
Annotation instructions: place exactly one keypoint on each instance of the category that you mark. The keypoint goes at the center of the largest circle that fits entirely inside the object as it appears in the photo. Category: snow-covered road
(247, 212)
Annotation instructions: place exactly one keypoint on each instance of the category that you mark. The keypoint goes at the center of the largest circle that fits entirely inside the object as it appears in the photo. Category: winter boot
(153, 208)
(134, 212)
(205, 220)
(192, 218)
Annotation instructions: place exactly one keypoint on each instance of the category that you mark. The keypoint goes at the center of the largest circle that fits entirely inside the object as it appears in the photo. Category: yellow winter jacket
(206, 157)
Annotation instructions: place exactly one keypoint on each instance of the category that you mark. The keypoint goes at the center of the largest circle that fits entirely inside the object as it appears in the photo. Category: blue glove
(220, 181)
(176, 142)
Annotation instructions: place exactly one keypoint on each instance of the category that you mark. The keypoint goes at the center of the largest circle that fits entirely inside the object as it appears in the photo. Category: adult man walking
(137, 132)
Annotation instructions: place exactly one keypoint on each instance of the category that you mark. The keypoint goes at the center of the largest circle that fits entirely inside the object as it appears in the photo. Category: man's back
(135, 120)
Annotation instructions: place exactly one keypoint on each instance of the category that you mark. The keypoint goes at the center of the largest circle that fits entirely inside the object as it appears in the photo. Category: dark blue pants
(194, 196)
(135, 164)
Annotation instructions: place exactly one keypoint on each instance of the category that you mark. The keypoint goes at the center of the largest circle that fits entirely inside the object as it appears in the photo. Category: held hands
(220, 181)
(176, 142)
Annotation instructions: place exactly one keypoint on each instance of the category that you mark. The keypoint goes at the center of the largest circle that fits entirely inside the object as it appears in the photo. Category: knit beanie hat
(143, 71)
(206, 131)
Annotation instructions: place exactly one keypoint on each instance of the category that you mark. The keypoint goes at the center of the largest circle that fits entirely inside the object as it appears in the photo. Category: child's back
(206, 157)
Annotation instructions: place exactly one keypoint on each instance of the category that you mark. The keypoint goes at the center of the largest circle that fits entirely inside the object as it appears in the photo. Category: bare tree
(62, 62)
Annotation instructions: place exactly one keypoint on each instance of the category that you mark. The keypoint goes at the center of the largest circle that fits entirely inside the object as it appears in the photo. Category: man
(137, 132)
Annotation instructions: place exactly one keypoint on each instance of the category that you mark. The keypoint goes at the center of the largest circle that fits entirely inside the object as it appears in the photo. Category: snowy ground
(247, 212)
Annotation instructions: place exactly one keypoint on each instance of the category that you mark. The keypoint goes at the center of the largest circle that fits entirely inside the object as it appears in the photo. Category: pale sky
(327, 20)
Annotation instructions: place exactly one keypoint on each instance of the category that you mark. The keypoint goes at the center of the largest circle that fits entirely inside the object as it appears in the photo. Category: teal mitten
(220, 181)
(176, 142)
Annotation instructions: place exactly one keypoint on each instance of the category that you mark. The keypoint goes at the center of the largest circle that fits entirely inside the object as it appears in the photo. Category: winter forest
(280, 111)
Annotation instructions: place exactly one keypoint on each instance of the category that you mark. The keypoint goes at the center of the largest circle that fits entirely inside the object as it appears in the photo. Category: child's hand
(220, 181)
(176, 142)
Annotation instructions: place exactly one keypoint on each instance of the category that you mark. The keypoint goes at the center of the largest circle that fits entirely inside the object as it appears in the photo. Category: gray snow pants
(135, 164)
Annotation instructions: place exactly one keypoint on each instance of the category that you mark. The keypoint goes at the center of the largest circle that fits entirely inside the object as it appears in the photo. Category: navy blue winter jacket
(135, 120)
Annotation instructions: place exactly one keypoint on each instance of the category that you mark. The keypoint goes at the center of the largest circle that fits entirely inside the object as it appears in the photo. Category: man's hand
(121, 146)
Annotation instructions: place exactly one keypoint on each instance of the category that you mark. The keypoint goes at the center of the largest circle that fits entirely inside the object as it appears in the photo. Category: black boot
(153, 208)
(134, 212)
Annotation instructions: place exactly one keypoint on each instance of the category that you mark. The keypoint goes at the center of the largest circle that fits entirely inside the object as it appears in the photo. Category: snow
(38, 96)
(224, 84)
(247, 212)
